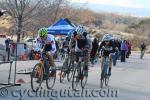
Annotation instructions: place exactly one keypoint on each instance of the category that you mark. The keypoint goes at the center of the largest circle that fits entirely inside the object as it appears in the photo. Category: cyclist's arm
(100, 47)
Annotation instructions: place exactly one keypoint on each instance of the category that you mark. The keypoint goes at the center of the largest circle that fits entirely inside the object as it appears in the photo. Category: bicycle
(142, 54)
(104, 72)
(67, 69)
(41, 72)
(80, 74)
(94, 59)
(63, 54)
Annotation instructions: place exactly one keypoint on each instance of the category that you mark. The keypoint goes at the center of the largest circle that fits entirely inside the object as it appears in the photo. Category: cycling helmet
(43, 32)
(107, 37)
(85, 34)
(80, 30)
(67, 38)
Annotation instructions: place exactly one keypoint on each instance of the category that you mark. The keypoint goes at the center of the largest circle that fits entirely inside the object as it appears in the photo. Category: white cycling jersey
(50, 38)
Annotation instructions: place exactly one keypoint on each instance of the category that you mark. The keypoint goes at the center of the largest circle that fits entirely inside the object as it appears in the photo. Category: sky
(132, 7)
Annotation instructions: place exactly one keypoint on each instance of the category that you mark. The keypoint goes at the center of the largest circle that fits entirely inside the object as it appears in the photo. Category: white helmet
(107, 37)
(80, 29)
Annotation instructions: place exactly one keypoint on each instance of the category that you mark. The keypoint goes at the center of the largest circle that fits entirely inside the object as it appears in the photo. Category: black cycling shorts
(48, 47)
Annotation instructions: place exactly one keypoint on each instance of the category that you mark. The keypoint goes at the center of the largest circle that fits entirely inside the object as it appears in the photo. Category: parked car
(30, 42)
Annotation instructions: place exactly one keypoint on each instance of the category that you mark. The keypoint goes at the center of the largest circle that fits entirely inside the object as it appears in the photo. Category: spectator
(26, 51)
(124, 50)
(7, 43)
(129, 49)
(143, 48)
(94, 50)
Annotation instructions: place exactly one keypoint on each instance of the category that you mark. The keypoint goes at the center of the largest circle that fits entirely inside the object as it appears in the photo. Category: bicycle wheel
(70, 72)
(102, 79)
(37, 76)
(114, 59)
(63, 72)
(75, 80)
(84, 78)
(142, 54)
(106, 81)
(51, 78)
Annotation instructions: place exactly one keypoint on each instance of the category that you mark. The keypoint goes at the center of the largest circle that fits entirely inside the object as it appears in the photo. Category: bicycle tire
(63, 72)
(83, 83)
(75, 80)
(70, 72)
(106, 81)
(50, 84)
(142, 54)
(102, 80)
(40, 78)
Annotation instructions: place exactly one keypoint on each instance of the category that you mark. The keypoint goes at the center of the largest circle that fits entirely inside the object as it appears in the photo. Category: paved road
(129, 81)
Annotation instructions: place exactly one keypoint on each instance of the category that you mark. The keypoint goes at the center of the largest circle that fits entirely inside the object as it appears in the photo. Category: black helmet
(85, 34)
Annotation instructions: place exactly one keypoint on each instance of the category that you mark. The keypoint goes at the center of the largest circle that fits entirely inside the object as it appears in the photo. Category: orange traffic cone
(20, 81)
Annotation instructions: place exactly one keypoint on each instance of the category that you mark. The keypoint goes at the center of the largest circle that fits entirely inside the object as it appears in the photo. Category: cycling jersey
(143, 47)
(49, 43)
(106, 50)
(81, 43)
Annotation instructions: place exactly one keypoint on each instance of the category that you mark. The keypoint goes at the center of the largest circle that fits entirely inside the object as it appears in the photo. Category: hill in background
(135, 29)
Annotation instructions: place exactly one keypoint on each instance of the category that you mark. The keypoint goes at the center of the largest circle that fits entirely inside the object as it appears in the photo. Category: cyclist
(107, 48)
(65, 52)
(72, 44)
(49, 46)
(81, 46)
(143, 48)
(65, 45)
(94, 50)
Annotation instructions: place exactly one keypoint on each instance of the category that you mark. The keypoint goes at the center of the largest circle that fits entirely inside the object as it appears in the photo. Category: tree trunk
(18, 37)
(23, 34)
(19, 30)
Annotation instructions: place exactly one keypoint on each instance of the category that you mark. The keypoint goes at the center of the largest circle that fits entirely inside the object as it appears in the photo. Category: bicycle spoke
(36, 77)
(51, 78)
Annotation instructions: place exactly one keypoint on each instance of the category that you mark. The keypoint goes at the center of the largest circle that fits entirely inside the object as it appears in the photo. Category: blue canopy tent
(62, 27)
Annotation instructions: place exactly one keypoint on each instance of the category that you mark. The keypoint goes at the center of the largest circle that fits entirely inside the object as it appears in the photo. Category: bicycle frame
(79, 72)
(45, 62)
(142, 54)
(104, 72)
(105, 66)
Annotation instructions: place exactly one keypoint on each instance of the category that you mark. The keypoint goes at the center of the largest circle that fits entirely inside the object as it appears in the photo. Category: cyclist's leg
(110, 64)
(51, 62)
(86, 62)
(78, 60)
(51, 59)
(92, 57)
(102, 62)
(141, 55)
(102, 65)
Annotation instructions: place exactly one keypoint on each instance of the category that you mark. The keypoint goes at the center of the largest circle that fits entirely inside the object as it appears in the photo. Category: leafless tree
(21, 11)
